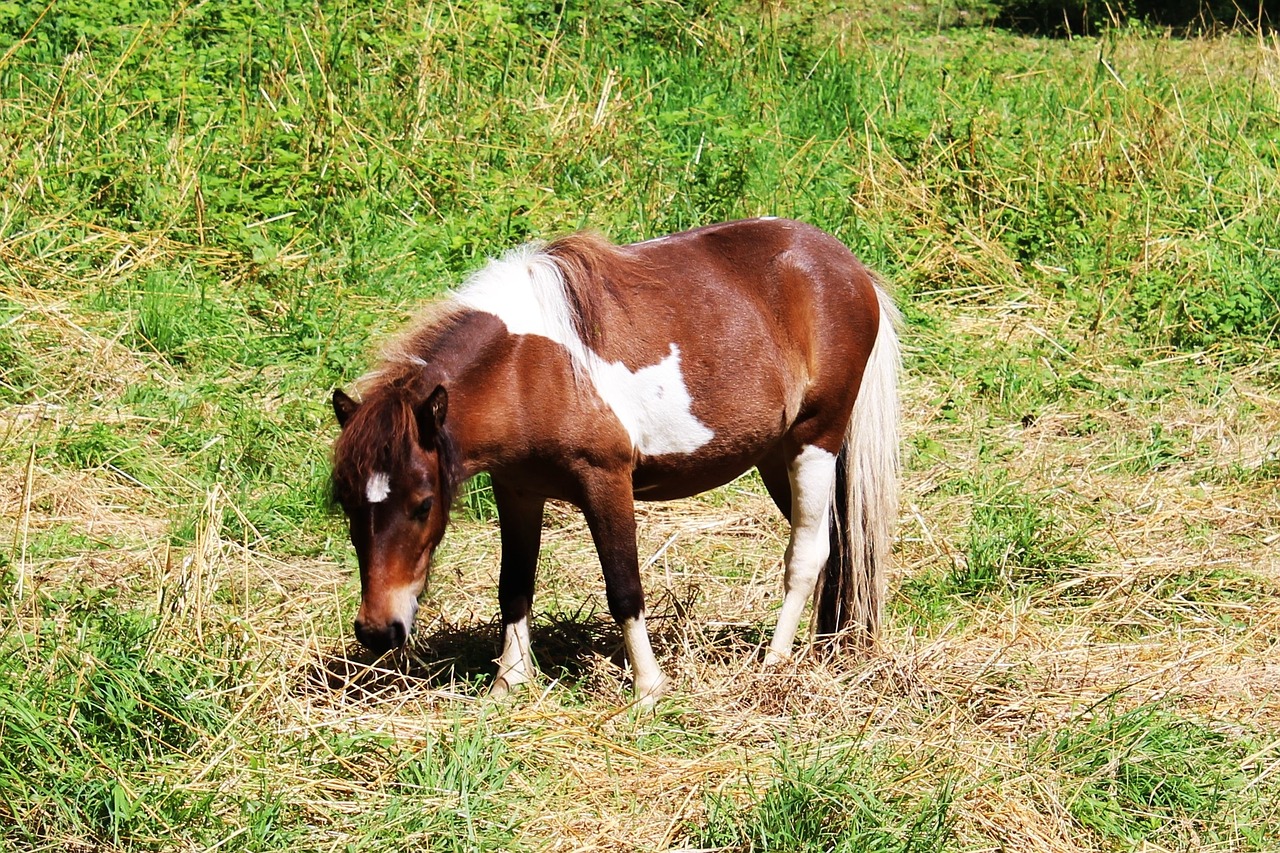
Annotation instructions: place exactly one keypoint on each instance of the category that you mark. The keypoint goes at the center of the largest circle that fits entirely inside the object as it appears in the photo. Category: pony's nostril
(365, 636)
(396, 634)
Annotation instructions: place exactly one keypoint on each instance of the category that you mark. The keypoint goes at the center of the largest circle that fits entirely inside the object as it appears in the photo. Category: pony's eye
(422, 510)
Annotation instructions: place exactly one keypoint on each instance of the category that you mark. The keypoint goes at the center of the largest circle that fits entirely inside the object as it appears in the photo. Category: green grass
(103, 718)
(212, 213)
(830, 803)
(1149, 776)
(95, 721)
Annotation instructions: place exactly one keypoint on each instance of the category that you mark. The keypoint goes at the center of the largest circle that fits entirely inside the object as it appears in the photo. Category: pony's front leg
(610, 512)
(520, 519)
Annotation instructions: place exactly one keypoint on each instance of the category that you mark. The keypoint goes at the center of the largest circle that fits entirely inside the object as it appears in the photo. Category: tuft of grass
(476, 501)
(828, 803)
(451, 795)
(93, 722)
(1263, 473)
(1150, 776)
(1015, 542)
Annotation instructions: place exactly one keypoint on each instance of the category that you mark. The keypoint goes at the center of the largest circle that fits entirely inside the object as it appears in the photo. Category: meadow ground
(212, 211)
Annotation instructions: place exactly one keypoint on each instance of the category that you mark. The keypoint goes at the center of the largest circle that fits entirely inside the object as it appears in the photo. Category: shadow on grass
(459, 659)
(575, 648)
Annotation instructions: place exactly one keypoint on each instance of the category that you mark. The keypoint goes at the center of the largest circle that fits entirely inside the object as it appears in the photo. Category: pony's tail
(850, 592)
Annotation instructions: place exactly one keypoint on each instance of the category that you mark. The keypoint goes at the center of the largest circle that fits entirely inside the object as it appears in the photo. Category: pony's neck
(468, 356)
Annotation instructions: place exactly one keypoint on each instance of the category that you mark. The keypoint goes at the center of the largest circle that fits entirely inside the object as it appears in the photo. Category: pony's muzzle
(387, 622)
(382, 638)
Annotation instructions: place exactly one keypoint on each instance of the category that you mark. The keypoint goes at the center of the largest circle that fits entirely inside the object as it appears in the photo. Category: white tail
(850, 594)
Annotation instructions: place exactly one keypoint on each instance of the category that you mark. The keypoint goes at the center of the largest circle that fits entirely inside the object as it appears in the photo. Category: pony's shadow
(573, 648)
(459, 660)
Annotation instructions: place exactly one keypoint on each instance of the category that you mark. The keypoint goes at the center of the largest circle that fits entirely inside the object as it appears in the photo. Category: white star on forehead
(378, 487)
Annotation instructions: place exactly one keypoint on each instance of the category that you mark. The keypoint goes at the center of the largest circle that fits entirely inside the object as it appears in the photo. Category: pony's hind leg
(520, 519)
(775, 475)
(811, 475)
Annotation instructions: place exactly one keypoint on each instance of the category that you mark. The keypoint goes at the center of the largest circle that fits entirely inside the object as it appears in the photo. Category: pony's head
(394, 473)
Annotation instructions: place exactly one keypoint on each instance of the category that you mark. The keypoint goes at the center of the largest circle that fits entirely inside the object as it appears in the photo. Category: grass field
(211, 212)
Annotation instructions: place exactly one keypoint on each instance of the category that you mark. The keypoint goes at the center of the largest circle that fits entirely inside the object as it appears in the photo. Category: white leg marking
(515, 665)
(378, 487)
(526, 291)
(650, 683)
(813, 475)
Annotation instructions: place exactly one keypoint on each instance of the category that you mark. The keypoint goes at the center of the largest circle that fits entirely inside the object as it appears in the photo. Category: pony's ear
(343, 406)
(431, 414)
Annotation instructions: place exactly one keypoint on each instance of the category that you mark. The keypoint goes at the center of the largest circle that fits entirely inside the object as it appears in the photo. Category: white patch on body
(378, 487)
(525, 290)
(766, 218)
(652, 403)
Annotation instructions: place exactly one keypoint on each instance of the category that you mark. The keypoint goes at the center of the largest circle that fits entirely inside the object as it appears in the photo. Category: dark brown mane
(379, 437)
(382, 431)
(377, 434)
(593, 269)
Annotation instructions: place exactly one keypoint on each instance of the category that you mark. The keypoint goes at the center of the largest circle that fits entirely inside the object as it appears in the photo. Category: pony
(601, 374)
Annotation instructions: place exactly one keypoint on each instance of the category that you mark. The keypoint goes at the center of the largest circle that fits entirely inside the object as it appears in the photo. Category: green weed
(476, 500)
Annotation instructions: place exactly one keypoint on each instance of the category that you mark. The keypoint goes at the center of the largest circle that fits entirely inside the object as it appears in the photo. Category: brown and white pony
(600, 374)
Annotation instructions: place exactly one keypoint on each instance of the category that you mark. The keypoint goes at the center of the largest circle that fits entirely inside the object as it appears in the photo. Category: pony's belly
(671, 477)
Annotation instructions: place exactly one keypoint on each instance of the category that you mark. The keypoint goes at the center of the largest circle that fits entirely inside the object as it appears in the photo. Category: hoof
(647, 695)
(774, 658)
(504, 685)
